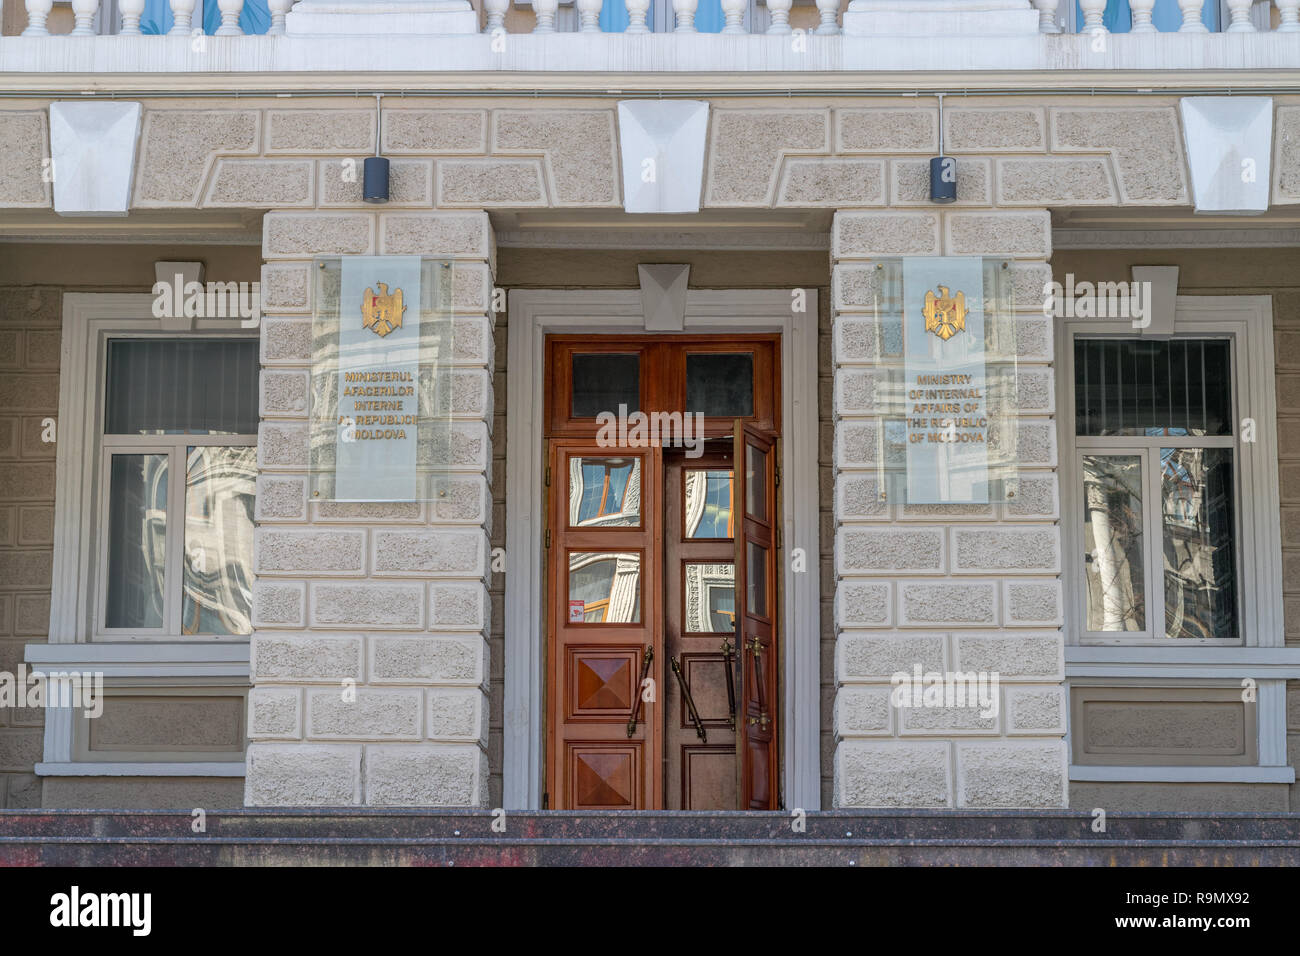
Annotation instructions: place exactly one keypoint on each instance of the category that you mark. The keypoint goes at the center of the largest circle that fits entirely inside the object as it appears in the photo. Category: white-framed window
(156, 476)
(1168, 468)
(177, 448)
(1155, 472)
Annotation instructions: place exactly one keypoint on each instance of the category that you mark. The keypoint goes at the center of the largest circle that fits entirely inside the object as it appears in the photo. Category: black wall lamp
(943, 170)
(374, 174)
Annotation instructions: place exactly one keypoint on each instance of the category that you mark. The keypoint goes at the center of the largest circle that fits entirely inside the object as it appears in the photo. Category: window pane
(602, 381)
(191, 386)
(710, 598)
(604, 492)
(708, 504)
(604, 587)
(137, 538)
(1112, 541)
(719, 384)
(219, 493)
(1142, 387)
(756, 579)
(755, 482)
(1200, 559)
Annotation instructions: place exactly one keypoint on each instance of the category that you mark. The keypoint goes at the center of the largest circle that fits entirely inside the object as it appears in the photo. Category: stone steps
(465, 838)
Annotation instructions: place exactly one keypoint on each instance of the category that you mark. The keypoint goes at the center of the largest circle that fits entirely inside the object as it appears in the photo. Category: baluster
(1192, 17)
(131, 10)
(230, 10)
(636, 14)
(1142, 16)
(496, 15)
(1093, 10)
(1290, 11)
(779, 11)
(684, 12)
(828, 10)
(278, 10)
(83, 12)
(37, 13)
(1240, 10)
(545, 10)
(182, 17)
(734, 12)
(1047, 15)
(589, 16)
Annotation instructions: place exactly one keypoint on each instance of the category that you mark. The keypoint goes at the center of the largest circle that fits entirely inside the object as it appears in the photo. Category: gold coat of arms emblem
(945, 315)
(381, 312)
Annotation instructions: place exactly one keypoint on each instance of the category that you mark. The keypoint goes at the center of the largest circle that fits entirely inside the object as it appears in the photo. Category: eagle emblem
(381, 312)
(945, 315)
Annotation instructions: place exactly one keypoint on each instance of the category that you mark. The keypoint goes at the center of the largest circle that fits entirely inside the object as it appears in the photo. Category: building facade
(700, 211)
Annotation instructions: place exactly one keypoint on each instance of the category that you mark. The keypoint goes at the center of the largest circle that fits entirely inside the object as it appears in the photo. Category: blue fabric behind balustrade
(1166, 16)
(708, 16)
(157, 17)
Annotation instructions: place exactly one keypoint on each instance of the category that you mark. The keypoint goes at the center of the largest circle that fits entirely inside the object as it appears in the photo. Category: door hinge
(548, 476)
(776, 473)
(779, 538)
(548, 537)
(546, 801)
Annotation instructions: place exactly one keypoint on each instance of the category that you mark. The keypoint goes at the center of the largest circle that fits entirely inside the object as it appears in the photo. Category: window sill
(169, 769)
(1200, 661)
(1184, 774)
(209, 659)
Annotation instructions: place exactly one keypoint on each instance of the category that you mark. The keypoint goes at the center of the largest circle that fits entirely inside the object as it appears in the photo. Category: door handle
(690, 703)
(646, 658)
(731, 683)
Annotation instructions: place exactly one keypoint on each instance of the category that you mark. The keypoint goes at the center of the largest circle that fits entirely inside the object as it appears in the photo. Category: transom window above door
(706, 375)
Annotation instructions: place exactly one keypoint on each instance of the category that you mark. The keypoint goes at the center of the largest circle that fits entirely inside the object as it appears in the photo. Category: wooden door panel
(757, 511)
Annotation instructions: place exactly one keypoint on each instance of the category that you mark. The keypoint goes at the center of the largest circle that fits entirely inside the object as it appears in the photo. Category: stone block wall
(369, 658)
(948, 587)
(30, 323)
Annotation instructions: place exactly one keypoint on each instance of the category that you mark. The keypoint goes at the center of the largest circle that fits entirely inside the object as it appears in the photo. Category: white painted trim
(1262, 655)
(1117, 774)
(533, 315)
(88, 319)
(198, 768)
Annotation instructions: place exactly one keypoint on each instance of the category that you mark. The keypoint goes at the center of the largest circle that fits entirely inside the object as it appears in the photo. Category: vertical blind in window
(190, 387)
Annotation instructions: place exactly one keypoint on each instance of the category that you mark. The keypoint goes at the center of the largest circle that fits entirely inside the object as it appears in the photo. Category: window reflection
(1196, 502)
(1112, 533)
(710, 598)
(137, 538)
(604, 492)
(220, 484)
(708, 504)
(604, 587)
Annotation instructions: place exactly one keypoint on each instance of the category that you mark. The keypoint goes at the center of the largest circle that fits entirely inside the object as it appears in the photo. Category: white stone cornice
(1202, 238)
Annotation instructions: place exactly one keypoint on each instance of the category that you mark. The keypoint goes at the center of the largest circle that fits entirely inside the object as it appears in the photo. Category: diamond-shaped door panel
(605, 776)
(602, 681)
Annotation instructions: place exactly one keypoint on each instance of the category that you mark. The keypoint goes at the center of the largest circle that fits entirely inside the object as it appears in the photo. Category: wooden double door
(662, 603)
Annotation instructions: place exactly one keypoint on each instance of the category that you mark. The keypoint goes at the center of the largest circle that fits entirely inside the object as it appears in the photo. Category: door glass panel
(1112, 540)
(708, 504)
(756, 580)
(1200, 558)
(756, 482)
(604, 492)
(710, 598)
(720, 384)
(602, 381)
(604, 587)
(219, 494)
(137, 538)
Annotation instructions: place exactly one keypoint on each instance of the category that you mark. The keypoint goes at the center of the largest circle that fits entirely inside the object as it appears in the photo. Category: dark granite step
(460, 838)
